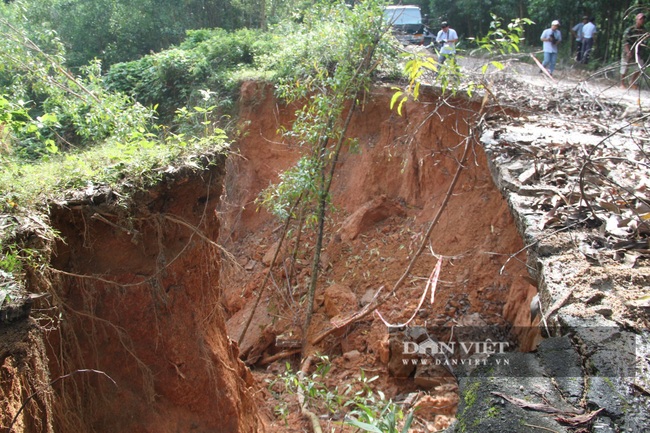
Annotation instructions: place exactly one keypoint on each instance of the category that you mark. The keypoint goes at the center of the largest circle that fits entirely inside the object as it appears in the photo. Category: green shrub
(357, 403)
(171, 79)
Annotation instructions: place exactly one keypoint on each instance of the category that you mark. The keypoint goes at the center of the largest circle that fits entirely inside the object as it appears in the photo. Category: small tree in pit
(332, 87)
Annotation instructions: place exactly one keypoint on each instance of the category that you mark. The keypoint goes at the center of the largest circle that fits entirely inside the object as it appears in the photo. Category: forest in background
(115, 31)
(171, 69)
(122, 30)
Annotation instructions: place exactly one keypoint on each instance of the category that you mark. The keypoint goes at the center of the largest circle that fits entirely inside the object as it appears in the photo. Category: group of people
(584, 33)
(632, 54)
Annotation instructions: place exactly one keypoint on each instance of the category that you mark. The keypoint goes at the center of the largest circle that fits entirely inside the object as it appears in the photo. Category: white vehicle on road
(406, 23)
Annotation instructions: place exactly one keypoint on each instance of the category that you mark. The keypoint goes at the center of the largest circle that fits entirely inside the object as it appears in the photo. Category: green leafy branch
(499, 40)
(357, 403)
(332, 63)
(502, 41)
(297, 182)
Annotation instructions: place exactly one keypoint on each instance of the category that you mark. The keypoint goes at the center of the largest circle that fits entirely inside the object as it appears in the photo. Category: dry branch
(281, 355)
(283, 235)
(311, 416)
(542, 68)
(539, 407)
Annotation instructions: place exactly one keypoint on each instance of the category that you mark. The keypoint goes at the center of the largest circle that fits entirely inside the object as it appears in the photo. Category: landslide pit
(153, 295)
(384, 196)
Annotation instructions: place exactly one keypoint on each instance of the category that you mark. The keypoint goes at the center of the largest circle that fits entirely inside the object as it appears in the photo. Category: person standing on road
(633, 55)
(446, 39)
(576, 31)
(588, 34)
(551, 38)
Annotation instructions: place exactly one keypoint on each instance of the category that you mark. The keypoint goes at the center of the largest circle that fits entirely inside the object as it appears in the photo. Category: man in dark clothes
(634, 53)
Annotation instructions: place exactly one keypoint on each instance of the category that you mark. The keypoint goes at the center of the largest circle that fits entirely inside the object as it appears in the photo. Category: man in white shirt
(551, 38)
(588, 34)
(447, 37)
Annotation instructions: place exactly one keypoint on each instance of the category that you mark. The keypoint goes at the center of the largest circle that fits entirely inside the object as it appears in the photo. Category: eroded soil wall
(25, 404)
(141, 318)
(386, 191)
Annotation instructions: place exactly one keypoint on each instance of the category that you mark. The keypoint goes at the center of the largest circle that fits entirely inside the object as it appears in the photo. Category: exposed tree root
(34, 394)
(281, 355)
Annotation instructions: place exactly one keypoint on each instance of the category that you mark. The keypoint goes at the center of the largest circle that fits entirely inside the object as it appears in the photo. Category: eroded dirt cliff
(141, 319)
(25, 404)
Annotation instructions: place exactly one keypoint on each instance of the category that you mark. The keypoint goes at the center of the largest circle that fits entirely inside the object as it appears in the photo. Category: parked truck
(406, 24)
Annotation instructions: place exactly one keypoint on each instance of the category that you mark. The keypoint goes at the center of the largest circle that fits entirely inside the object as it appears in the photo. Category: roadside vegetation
(65, 131)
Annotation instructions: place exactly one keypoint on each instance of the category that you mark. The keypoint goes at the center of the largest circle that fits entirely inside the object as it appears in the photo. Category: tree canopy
(121, 30)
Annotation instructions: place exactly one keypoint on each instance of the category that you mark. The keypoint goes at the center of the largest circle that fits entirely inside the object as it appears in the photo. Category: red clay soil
(141, 307)
(23, 377)
(384, 196)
